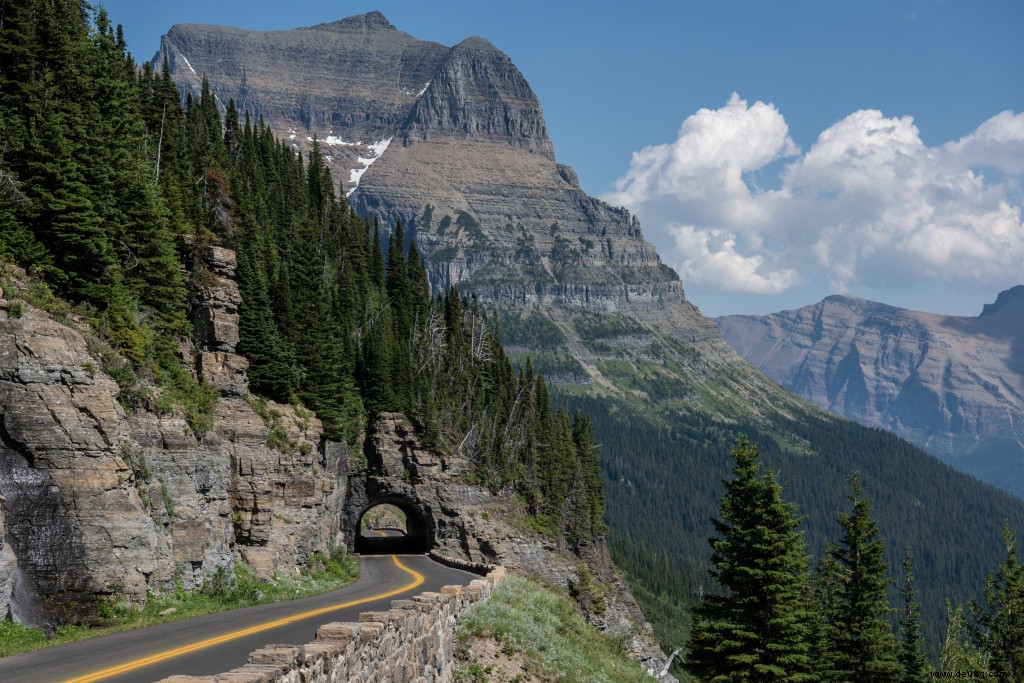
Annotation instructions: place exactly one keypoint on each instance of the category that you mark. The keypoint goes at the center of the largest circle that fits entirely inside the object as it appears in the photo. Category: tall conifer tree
(911, 658)
(758, 628)
(999, 621)
(859, 635)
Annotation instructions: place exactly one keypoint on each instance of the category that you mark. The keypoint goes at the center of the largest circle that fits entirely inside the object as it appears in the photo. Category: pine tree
(958, 653)
(272, 371)
(999, 623)
(758, 630)
(859, 635)
(591, 484)
(911, 658)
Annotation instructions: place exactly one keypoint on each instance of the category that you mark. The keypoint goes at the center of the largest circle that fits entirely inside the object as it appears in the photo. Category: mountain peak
(477, 43)
(1009, 296)
(370, 21)
(856, 303)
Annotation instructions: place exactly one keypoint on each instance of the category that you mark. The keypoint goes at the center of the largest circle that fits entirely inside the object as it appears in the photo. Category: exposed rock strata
(98, 502)
(470, 168)
(952, 385)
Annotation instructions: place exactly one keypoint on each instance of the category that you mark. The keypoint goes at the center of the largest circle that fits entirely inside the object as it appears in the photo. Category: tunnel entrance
(392, 525)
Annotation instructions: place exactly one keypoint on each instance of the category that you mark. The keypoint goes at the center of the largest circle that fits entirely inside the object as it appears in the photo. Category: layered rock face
(452, 142)
(952, 385)
(97, 502)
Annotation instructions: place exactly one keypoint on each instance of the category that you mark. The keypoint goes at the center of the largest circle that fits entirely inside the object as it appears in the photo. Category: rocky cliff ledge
(99, 502)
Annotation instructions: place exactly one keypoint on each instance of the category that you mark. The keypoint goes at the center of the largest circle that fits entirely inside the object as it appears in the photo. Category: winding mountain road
(216, 643)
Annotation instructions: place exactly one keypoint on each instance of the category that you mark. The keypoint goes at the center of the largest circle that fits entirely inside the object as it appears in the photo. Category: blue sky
(775, 152)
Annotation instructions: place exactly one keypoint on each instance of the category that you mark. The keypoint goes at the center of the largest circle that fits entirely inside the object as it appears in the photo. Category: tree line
(771, 618)
(112, 186)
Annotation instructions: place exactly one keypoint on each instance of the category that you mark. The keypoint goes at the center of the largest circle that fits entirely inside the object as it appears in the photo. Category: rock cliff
(99, 502)
(952, 385)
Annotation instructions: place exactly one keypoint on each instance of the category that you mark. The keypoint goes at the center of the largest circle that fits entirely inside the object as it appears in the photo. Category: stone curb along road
(214, 643)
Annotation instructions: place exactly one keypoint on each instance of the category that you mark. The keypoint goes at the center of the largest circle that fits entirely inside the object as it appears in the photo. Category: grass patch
(15, 638)
(547, 633)
(220, 593)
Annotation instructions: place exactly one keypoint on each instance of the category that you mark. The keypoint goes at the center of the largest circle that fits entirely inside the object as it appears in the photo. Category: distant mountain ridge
(953, 385)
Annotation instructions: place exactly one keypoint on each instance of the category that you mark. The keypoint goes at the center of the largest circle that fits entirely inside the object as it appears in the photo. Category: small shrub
(15, 309)
(165, 493)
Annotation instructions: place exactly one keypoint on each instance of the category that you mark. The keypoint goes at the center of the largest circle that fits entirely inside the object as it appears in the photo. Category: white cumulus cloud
(869, 204)
(710, 255)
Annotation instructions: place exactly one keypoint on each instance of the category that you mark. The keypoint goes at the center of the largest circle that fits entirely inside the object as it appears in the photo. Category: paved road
(233, 634)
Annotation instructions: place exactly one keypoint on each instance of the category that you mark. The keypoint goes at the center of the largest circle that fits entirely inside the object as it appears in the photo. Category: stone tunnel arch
(419, 532)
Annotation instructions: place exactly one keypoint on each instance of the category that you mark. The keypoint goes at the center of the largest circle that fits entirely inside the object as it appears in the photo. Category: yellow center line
(217, 640)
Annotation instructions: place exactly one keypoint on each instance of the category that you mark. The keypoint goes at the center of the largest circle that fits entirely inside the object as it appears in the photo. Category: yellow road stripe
(209, 642)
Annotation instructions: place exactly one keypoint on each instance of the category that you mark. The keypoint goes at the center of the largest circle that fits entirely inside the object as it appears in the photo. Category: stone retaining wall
(413, 642)
(465, 565)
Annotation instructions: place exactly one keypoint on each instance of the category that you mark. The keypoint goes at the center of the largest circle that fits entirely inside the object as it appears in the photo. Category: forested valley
(661, 540)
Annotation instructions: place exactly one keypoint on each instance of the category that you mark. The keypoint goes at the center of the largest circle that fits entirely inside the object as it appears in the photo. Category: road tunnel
(393, 524)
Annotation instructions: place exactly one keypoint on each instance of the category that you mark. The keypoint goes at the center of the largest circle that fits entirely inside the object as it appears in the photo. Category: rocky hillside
(95, 501)
(953, 385)
(452, 141)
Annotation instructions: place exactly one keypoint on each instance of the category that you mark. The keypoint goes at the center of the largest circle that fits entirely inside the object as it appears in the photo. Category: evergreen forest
(768, 617)
(664, 477)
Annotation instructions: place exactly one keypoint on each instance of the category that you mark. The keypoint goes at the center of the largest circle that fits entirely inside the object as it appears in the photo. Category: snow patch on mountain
(376, 149)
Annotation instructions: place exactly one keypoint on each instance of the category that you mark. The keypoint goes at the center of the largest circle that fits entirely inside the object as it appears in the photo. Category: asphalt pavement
(216, 643)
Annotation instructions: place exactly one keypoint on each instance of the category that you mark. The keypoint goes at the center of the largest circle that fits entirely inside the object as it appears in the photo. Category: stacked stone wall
(413, 642)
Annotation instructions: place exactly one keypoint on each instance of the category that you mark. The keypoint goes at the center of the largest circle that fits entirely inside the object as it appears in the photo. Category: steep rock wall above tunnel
(102, 503)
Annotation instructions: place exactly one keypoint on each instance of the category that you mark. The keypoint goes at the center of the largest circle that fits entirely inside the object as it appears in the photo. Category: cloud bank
(868, 205)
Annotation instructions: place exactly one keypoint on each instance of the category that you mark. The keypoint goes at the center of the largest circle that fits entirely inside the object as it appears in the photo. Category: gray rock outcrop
(952, 385)
(99, 503)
